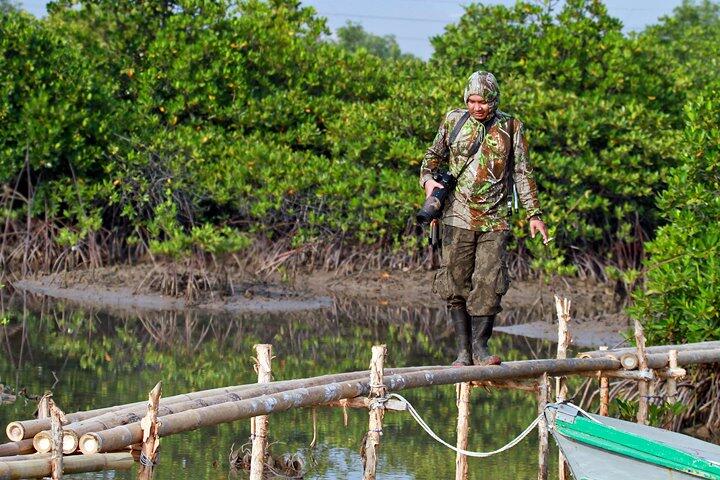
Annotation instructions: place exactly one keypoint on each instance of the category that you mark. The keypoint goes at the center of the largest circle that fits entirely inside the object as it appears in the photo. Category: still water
(92, 359)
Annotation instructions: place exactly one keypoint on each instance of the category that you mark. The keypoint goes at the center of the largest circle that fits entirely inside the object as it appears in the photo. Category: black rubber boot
(461, 321)
(481, 331)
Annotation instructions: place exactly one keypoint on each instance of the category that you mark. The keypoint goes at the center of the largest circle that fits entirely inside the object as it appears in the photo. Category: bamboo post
(642, 414)
(151, 440)
(43, 409)
(259, 424)
(543, 443)
(563, 314)
(377, 412)
(671, 391)
(604, 392)
(57, 418)
(463, 425)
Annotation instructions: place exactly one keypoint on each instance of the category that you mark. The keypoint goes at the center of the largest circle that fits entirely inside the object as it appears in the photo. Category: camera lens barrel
(434, 204)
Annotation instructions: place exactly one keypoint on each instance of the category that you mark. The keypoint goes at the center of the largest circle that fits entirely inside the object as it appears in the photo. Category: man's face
(478, 107)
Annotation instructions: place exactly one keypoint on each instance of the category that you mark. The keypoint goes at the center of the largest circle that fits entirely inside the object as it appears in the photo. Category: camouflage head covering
(483, 84)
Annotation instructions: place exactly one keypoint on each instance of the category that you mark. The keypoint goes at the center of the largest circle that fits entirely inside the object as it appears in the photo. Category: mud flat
(528, 306)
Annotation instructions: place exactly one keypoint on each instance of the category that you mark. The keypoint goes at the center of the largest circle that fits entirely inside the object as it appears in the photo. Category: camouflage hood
(483, 84)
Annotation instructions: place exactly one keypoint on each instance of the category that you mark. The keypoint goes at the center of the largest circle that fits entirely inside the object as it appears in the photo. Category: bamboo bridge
(106, 438)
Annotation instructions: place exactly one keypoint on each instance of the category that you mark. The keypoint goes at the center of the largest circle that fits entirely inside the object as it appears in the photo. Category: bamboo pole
(377, 412)
(563, 314)
(543, 442)
(16, 448)
(259, 424)
(40, 467)
(150, 441)
(671, 390)
(642, 414)
(624, 374)
(365, 403)
(527, 386)
(75, 430)
(57, 418)
(119, 437)
(20, 430)
(652, 350)
(463, 426)
(22, 458)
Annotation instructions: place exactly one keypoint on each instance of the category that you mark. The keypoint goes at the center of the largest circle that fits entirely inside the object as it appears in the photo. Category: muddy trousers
(472, 279)
(473, 270)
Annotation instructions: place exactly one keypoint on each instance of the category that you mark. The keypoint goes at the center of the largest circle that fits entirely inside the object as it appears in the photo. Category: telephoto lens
(434, 204)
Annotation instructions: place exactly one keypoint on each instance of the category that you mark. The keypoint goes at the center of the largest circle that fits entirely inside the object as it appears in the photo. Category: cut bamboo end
(89, 444)
(15, 431)
(70, 442)
(42, 442)
(629, 361)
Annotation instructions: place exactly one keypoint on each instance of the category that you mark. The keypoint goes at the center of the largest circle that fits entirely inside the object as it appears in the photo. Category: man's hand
(431, 185)
(537, 225)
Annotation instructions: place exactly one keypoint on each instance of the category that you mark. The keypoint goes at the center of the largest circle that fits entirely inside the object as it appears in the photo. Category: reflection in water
(92, 358)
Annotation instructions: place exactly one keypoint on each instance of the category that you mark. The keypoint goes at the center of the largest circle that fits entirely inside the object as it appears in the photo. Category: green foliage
(658, 414)
(687, 41)
(53, 108)
(179, 124)
(680, 298)
(352, 36)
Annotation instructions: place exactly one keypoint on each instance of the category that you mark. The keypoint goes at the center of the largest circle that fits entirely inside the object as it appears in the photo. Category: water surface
(92, 359)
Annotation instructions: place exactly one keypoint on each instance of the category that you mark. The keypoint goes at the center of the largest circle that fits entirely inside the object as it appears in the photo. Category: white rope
(425, 427)
(590, 417)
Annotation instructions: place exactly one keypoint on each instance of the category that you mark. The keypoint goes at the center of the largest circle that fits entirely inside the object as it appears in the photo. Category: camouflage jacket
(481, 200)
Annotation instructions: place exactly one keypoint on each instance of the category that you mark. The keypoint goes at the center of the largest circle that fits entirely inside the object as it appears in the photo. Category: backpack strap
(458, 126)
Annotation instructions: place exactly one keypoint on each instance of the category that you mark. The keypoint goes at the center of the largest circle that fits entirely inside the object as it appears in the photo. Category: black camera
(434, 204)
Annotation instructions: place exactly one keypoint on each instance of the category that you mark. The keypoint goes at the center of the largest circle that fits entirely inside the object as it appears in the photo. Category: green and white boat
(602, 448)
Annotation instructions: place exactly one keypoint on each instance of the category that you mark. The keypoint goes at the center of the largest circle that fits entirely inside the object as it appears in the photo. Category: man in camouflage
(473, 274)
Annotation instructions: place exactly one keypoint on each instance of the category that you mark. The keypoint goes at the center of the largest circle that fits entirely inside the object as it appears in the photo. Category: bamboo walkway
(102, 438)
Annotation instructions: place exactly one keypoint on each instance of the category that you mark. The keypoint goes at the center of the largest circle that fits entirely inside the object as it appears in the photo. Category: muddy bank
(113, 288)
(529, 307)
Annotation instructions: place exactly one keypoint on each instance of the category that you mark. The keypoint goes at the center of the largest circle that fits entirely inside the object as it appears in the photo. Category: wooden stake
(463, 426)
(57, 418)
(543, 444)
(604, 392)
(259, 425)
(563, 314)
(377, 412)
(43, 409)
(151, 439)
(642, 414)
(671, 382)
